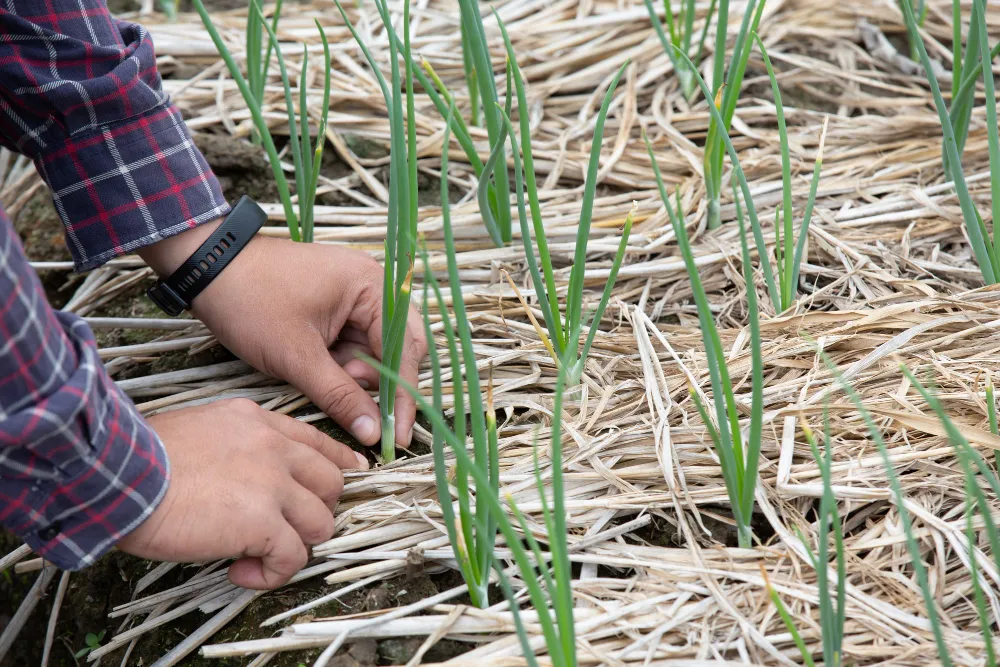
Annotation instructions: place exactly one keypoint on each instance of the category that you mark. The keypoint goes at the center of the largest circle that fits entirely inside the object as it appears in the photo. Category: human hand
(263, 490)
(302, 312)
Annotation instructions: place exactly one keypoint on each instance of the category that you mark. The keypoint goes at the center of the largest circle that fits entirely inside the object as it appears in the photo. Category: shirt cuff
(130, 184)
(111, 470)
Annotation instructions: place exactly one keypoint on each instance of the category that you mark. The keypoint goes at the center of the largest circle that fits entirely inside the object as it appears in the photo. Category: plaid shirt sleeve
(80, 95)
(79, 467)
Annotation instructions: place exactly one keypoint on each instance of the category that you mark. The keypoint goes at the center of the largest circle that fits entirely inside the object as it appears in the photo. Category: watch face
(166, 299)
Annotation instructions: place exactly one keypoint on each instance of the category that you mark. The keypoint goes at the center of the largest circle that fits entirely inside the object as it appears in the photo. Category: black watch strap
(175, 294)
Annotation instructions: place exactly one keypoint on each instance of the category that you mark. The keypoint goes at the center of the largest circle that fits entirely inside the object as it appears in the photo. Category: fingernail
(364, 428)
(363, 384)
(362, 460)
(409, 436)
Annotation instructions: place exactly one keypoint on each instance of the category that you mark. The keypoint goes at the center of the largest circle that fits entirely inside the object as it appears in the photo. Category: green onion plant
(680, 32)
(555, 589)
(306, 160)
(479, 73)
(258, 67)
(471, 80)
(974, 468)
(472, 532)
(789, 252)
(560, 340)
(725, 92)
(991, 411)
(472, 529)
(921, 19)
(832, 609)
(954, 125)
(401, 224)
(738, 457)
(920, 570)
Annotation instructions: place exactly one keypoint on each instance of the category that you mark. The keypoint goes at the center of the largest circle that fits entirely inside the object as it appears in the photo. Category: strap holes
(204, 265)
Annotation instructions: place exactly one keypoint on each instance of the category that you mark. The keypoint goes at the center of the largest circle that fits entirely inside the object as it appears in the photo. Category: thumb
(340, 396)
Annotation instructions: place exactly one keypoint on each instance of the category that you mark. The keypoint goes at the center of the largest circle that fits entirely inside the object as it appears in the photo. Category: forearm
(80, 95)
(79, 467)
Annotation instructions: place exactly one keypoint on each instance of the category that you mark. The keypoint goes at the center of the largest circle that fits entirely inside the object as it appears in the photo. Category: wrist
(190, 262)
(166, 256)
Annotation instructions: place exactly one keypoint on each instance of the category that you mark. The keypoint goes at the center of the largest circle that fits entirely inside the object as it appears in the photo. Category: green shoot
(169, 8)
(783, 291)
(555, 588)
(401, 224)
(471, 80)
(738, 459)
(475, 49)
(680, 35)
(912, 545)
(257, 67)
(971, 463)
(788, 252)
(726, 85)
(306, 161)
(536, 246)
(832, 614)
(921, 19)
(991, 409)
(955, 128)
(472, 534)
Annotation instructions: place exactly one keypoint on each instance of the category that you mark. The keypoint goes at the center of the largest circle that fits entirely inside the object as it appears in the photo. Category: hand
(263, 490)
(302, 312)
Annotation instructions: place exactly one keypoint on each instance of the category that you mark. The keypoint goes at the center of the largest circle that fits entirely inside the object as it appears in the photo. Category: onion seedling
(991, 411)
(401, 223)
(738, 459)
(985, 249)
(832, 613)
(921, 19)
(789, 253)
(257, 67)
(972, 463)
(680, 32)
(560, 338)
(472, 532)
(782, 291)
(479, 70)
(306, 161)
(725, 94)
(912, 545)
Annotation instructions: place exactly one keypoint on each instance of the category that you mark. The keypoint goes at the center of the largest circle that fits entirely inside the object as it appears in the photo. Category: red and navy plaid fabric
(79, 467)
(80, 95)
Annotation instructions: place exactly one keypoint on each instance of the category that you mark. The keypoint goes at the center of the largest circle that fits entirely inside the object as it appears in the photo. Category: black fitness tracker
(175, 294)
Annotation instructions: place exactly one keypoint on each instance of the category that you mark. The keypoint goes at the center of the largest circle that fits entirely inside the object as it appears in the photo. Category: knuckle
(242, 405)
(321, 532)
(339, 399)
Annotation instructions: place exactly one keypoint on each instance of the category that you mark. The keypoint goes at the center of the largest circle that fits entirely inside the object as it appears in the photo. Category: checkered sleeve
(79, 467)
(80, 95)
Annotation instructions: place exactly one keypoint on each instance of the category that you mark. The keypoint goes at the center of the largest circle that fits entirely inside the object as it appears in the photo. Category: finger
(346, 351)
(363, 373)
(308, 514)
(414, 351)
(350, 333)
(337, 453)
(272, 561)
(338, 395)
(317, 474)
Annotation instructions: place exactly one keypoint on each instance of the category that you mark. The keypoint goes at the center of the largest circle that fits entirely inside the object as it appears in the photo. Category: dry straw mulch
(889, 279)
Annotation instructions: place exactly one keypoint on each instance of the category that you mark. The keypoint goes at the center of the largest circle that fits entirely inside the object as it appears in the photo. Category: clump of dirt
(239, 165)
